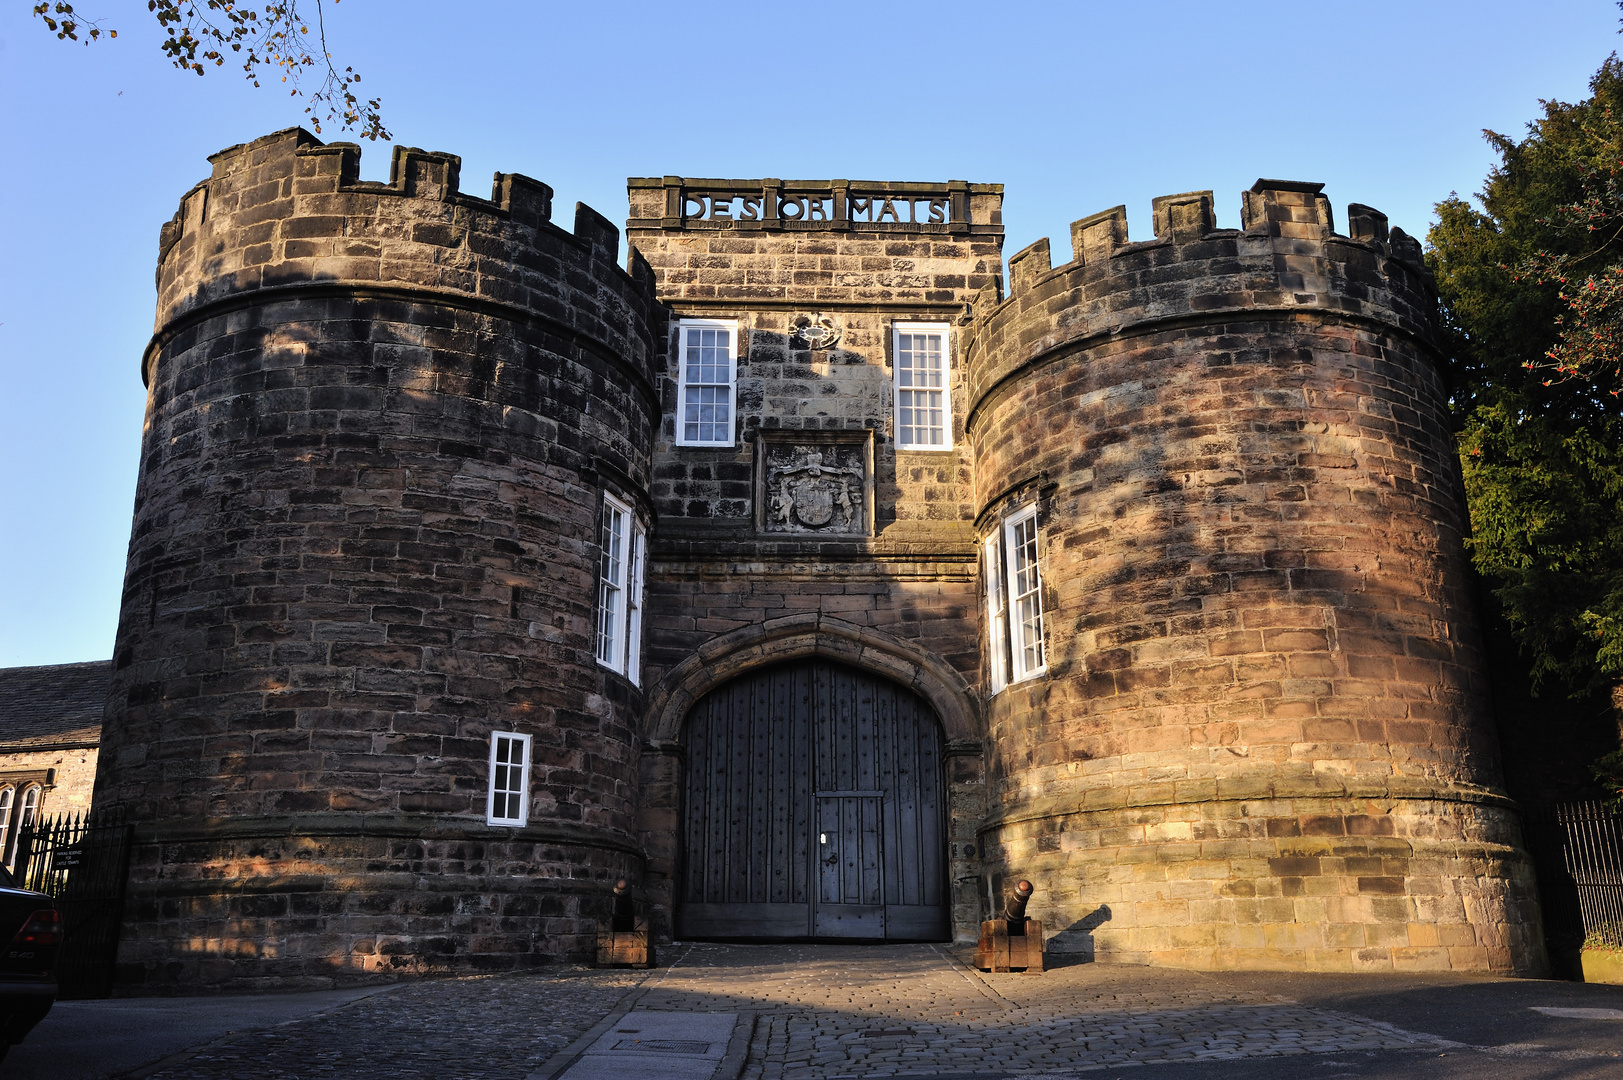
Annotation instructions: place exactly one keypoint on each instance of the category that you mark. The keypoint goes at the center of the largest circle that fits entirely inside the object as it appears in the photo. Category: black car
(31, 927)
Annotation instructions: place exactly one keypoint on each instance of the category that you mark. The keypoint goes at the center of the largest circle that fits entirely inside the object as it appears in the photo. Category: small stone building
(50, 729)
(810, 571)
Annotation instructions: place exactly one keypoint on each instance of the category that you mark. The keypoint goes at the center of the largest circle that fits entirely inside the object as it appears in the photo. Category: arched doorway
(813, 808)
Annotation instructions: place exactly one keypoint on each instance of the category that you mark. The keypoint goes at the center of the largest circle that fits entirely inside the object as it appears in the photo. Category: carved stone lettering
(880, 206)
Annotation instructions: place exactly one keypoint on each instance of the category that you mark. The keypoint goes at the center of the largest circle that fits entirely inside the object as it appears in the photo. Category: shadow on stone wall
(1074, 944)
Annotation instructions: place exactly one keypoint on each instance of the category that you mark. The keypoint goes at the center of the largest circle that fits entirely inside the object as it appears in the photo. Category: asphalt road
(1474, 1011)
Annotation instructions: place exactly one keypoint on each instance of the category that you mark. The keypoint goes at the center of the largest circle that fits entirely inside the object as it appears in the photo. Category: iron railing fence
(83, 867)
(1577, 850)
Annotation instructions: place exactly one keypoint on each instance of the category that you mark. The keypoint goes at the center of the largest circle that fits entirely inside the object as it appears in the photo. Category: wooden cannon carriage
(624, 941)
(1012, 942)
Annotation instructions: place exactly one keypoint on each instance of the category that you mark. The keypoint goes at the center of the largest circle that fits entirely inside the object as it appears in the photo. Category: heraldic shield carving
(815, 482)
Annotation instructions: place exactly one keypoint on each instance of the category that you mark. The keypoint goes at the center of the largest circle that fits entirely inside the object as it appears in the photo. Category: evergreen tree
(1532, 290)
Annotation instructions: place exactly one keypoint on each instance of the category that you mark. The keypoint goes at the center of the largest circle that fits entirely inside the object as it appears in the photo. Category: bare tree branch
(274, 40)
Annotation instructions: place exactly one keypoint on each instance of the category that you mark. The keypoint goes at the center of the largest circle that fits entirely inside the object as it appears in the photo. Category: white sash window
(706, 382)
(997, 616)
(620, 588)
(923, 395)
(1017, 645)
(1025, 595)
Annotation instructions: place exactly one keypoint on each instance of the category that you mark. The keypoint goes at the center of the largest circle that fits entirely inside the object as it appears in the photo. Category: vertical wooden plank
(738, 792)
(851, 850)
(761, 801)
(722, 816)
(921, 806)
(828, 769)
(838, 722)
(827, 822)
(716, 877)
(865, 755)
(909, 856)
(932, 806)
(886, 697)
(704, 783)
(782, 725)
(693, 806)
(805, 778)
(872, 849)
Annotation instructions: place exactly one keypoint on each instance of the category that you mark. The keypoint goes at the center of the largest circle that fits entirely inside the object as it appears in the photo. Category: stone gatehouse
(808, 571)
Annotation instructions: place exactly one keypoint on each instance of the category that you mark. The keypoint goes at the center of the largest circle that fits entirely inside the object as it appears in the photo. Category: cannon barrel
(1015, 909)
(625, 908)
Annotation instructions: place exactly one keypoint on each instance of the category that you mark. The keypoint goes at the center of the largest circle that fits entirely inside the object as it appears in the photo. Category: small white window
(923, 395)
(620, 586)
(705, 382)
(509, 779)
(1025, 591)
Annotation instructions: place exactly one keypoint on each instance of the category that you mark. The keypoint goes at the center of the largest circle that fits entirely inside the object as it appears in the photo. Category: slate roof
(53, 705)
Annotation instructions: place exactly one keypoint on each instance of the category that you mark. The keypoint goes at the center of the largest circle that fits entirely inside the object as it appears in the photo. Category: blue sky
(1076, 107)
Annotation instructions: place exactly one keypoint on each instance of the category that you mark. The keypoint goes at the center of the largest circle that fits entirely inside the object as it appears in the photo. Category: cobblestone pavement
(832, 1011)
(821, 1012)
(487, 1028)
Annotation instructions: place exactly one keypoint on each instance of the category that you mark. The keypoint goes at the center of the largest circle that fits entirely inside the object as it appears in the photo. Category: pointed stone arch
(813, 634)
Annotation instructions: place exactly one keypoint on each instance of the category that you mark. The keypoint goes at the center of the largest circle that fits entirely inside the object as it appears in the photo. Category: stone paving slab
(671, 1045)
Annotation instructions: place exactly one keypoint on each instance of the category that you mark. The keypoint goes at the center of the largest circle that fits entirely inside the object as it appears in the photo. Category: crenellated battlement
(286, 212)
(1286, 256)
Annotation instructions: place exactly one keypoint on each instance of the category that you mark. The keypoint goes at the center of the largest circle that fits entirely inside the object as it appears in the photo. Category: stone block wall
(380, 423)
(715, 575)
(70, 767)
(1263, 736)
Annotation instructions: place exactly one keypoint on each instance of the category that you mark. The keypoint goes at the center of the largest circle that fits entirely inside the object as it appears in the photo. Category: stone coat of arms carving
(815, 487)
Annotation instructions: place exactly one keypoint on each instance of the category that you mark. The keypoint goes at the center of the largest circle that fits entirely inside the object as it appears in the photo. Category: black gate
(83, 868)
(1577, 851)
(813, 808)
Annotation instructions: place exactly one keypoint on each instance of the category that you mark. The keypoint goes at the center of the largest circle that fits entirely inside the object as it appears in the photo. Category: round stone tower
(1262, 737)
(382, 423)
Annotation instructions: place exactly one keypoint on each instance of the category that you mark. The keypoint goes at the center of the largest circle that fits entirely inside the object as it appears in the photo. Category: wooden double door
(813, 809)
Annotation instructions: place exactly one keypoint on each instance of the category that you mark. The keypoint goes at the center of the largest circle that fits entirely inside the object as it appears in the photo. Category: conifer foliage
(1531, 278)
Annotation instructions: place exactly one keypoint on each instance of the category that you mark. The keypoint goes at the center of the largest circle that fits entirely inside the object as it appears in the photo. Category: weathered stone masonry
(750, 594)
(381, 421)
(1262, 738)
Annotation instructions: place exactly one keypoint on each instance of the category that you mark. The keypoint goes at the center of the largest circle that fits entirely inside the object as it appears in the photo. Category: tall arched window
(7, 795)
(30, 807)
(26, 812)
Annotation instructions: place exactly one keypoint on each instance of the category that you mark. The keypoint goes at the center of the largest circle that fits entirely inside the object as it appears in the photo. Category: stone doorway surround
(799, 637)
